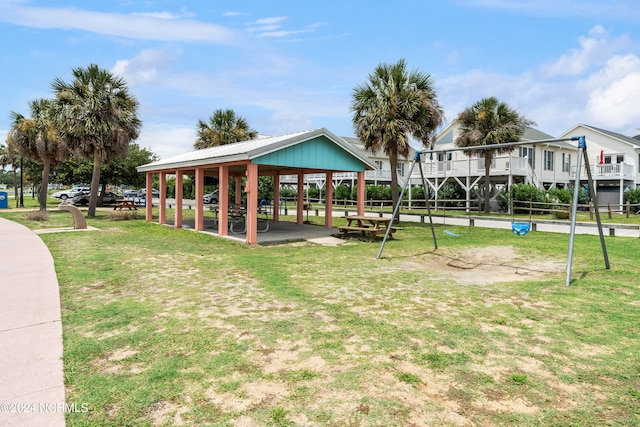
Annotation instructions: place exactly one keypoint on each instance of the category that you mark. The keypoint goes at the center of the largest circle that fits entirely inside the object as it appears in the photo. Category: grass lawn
(170, 327)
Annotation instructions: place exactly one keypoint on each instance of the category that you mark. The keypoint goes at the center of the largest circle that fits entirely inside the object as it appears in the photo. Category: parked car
(143, 193)
(108, 198)
(211, 197)
(129, 194)
(69, 194)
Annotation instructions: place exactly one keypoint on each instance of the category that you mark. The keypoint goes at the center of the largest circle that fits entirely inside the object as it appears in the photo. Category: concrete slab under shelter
(278, 231)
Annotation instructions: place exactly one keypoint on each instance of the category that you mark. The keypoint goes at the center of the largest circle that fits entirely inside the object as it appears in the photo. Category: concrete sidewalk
(31, 373)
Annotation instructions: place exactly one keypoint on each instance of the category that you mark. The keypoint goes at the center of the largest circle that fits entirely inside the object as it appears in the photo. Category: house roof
(628, 139)
(445, 136)
(261, 148)
(380, 153)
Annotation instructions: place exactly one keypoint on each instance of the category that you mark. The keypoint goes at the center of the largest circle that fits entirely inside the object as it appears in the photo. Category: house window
(379, 164)
(566, 162)
(400, 168)
(529, 154)
(613, 158)
(444, 162)
(548, 160)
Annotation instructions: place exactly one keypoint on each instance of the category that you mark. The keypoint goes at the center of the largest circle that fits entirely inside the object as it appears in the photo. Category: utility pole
(21, 185)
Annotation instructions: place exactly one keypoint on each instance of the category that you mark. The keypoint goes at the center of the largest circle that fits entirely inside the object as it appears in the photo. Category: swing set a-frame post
(396, 209)
(582, 148)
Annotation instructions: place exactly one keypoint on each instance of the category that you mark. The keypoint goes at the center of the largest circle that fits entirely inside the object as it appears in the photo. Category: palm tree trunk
(44, 187)
(395, 194)
(95, 183)
(487, 182)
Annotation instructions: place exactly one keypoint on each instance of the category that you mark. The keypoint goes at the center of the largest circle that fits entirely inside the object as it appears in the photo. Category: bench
(79, 223)
(371, 231)
(120, 204)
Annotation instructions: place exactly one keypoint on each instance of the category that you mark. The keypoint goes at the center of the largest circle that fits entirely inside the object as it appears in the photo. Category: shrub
(122, 216)
(452, 192)
(290, 193)
(342, 192)
(560, 195)
(374, 192)
(417, 193)
(38, 216)
(632, 196)
(523, 194)
(503, 200)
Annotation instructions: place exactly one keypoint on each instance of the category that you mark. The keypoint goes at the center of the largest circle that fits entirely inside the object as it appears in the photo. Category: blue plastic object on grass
(520, 228)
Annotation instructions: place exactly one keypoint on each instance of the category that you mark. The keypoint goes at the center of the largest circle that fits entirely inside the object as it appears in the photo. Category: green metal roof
(315, 149)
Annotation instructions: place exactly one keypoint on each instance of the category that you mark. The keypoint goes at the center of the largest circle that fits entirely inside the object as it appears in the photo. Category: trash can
(4, 200)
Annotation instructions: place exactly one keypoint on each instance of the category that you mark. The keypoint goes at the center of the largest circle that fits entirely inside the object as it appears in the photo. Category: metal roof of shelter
(313, 149)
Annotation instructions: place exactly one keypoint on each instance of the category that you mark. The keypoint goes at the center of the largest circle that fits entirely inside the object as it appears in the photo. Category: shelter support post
(238, 183)
(252, 203)
(276, 197)
(199, 225)
(361, 193)
(148, 203)
(223, 201)
(300, 198)
(178, 212)
(162, 209)
(328, 204)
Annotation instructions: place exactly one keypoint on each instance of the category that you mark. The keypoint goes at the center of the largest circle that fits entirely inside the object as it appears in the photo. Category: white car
(68, 194)
(211, 197)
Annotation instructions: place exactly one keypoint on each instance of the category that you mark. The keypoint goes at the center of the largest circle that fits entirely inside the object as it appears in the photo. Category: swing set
(518, 228)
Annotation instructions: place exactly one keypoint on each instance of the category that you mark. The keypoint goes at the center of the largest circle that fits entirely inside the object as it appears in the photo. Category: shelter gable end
(315, 153)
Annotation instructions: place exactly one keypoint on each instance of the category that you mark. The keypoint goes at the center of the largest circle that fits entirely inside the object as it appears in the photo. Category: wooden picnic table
(121, 204)
(366, 225)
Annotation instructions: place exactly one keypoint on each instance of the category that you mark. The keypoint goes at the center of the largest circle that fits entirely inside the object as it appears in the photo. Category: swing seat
(451, 233)
(520, 228)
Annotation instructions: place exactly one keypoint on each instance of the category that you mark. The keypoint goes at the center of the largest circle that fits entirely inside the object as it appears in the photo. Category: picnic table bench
(366, 225)
(236, 218)
(121, 204)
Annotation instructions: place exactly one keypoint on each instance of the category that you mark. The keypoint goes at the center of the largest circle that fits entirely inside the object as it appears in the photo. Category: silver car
(211, 197)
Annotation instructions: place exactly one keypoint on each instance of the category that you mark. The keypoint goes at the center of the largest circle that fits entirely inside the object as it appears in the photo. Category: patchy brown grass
(186, 329)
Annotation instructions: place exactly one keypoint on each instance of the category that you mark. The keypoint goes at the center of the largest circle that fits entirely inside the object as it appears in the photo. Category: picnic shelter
(313, 151)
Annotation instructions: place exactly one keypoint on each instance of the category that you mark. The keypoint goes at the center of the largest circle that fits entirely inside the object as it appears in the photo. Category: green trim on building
(316, 153)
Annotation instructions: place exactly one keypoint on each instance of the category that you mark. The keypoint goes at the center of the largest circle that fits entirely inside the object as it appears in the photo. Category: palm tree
(37, 139)
(98, 118)
(224, 127)
(393, 105)
(489, 122)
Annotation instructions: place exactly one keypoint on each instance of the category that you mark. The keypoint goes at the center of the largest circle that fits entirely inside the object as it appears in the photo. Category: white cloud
(270, 27)
(606, 98)
(270, 21)
(165, 140)
(135, 26)
(592, 84)
(614, 93)
(143, 68)
(593, 50)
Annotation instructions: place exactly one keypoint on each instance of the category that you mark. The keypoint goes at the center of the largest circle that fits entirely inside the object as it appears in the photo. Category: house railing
(607, 171)
(382, 175)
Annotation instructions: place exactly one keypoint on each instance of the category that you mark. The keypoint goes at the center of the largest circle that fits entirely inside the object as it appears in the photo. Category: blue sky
(291, 65)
